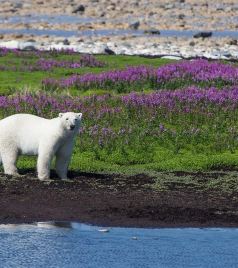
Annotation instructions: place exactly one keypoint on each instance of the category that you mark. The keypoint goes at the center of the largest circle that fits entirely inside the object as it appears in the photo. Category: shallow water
(74, 19)
(59, 19)
(80, 245)
(113, 32)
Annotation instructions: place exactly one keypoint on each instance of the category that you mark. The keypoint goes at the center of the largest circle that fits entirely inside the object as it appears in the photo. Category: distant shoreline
(126, 28)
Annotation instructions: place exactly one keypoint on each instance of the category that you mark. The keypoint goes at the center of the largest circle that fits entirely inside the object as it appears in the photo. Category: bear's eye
(67, 118)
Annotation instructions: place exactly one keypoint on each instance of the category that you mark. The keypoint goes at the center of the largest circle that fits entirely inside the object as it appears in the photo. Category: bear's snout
(72, 127)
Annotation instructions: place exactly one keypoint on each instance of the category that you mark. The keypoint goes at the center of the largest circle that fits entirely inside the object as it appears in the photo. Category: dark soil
(115, 200)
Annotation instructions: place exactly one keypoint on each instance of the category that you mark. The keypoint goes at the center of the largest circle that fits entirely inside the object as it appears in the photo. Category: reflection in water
(48, 224)
(71, 244)
(55, 224)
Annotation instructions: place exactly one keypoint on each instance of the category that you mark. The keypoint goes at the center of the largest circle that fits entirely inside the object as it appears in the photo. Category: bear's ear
(61, 114)
(80, 115)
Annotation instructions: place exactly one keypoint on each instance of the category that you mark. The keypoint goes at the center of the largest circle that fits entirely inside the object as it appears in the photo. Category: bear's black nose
(72, 127)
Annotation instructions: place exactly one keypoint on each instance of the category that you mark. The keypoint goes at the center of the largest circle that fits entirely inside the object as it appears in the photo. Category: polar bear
(26, 134)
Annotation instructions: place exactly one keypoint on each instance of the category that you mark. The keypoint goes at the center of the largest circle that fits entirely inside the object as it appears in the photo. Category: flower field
(178, 116)
(147, 129)
(171, 76)
(29, 69)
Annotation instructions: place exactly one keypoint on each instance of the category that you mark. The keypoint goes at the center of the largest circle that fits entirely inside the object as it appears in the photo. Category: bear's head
(71, 121)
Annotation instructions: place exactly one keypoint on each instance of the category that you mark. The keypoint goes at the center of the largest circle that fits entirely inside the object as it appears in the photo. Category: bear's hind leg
(9, 159)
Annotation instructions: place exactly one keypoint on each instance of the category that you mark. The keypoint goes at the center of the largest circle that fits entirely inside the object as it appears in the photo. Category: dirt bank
(118, 200)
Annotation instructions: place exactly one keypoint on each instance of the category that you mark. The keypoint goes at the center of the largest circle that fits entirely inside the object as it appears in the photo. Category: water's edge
(67, 245)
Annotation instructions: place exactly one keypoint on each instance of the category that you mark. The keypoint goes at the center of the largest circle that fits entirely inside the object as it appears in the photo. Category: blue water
(59, 19)
(80, 245)
(70, 19)
(49, 19)
(113, 32)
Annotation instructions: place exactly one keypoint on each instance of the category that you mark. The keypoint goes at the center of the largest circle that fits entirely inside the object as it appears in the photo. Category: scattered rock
(31, 40)
(228, 9)
(152, 31)
(66, 42)
(233, 42)
(30, 48)
(18, 36)
(104, 39)
(181, 16)
(234, 8)
(169, 6)
(27, 5)
(134, 25)
(227, 54)
(203, 35)
(111, 7)
(125, 44)
(136, 3)
(151, 13)
(13, 10)
(192, 43)
(109, 51)
(80, 8)
(18, 5)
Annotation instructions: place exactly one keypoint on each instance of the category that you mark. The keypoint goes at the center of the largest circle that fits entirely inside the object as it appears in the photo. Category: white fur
(28, 134)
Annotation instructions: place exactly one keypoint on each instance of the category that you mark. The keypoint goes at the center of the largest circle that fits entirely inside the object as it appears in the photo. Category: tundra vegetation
(139, 114)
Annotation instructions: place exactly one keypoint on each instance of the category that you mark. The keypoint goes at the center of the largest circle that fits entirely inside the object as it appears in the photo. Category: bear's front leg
(63, 157)
(43, 164)
(9, 159)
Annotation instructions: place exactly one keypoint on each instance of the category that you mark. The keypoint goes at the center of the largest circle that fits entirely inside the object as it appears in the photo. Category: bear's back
(22, 120)
(23, 124)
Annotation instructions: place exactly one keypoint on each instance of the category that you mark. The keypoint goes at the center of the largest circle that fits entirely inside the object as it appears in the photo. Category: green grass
(13, 81)
(166, 161)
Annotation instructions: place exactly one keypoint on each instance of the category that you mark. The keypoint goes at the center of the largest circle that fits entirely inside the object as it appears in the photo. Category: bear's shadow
(72, 175)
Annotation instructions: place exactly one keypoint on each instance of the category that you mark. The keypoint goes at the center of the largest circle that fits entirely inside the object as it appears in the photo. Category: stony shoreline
(177, 48)
(94, 26)
(142, 14)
